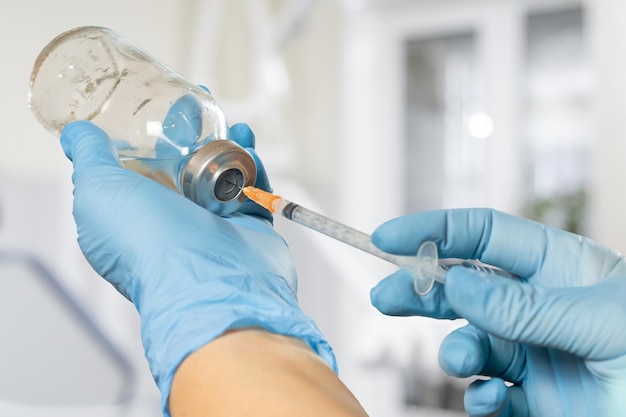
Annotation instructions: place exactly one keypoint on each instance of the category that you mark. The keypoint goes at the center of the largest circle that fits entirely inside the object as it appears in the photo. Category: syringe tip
(261, 197)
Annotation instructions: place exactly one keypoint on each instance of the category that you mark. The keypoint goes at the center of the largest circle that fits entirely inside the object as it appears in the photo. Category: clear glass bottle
(163, 126)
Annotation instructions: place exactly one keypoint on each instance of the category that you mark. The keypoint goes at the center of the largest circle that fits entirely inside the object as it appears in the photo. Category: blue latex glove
(557, 334)
(191, 274)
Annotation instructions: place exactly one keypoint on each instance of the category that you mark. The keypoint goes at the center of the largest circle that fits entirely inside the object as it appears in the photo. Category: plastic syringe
(424, 266)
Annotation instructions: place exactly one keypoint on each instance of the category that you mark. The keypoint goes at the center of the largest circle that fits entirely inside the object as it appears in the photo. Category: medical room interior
(363, 110)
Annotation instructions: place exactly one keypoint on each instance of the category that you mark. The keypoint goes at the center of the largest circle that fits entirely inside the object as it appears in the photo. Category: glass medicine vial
(163, 126)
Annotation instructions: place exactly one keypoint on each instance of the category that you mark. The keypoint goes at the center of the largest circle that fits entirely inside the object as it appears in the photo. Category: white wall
(27, 26)
(311, 115)
(35, 185)
(608, 44)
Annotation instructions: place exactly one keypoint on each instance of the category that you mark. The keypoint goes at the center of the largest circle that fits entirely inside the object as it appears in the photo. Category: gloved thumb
(521, 312)
(86, 145)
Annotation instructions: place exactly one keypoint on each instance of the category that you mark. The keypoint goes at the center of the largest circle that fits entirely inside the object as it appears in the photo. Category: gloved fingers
(461, 233)
(182, 128)
(576, 320)
(470, 351)
(262, 179)
(487, 398)
(243, 135)
(249, 207)
(492, 398)
(514, 244)
(395, 296)
(87, 146)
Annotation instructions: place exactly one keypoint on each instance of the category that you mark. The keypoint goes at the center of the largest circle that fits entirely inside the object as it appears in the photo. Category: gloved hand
(191, 274)
(557, 334)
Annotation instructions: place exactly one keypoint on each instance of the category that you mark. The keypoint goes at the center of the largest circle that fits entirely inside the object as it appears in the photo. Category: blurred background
(364, 110)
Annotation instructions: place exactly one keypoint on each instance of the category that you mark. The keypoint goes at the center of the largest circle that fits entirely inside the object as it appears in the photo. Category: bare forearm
(253, 372)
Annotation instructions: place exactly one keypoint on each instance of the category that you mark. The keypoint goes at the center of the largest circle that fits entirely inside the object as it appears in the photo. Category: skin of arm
(254, 372)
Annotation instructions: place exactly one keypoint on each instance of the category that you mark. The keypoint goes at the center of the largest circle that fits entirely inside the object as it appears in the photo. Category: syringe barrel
(338, 231)
(425, 265)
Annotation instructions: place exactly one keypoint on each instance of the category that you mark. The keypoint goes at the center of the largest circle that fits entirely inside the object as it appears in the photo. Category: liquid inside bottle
(159, 122)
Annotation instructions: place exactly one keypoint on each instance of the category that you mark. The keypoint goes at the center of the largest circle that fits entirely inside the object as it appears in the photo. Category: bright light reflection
(480, 126)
